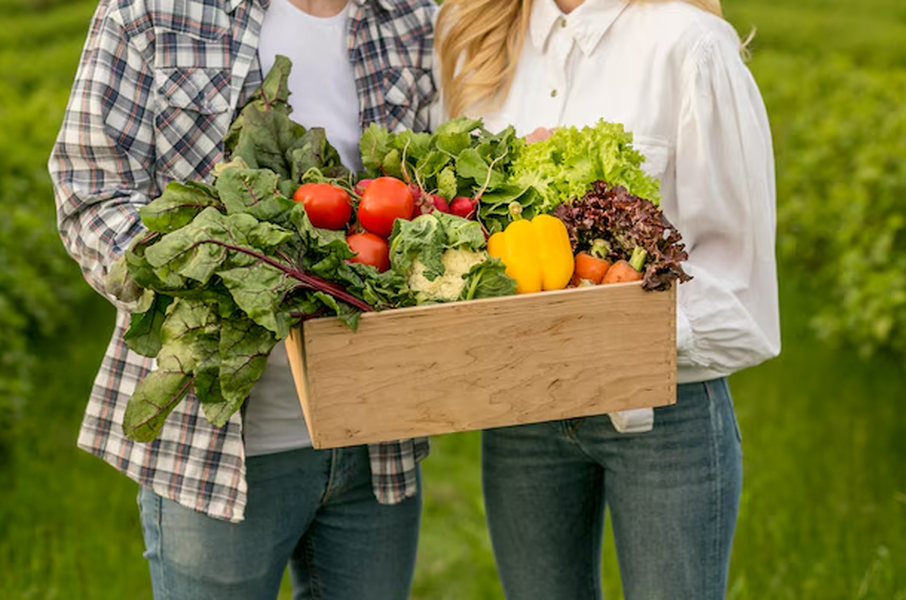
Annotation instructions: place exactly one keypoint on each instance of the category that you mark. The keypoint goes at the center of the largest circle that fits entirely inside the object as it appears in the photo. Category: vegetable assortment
(627, 230)
(284, 232)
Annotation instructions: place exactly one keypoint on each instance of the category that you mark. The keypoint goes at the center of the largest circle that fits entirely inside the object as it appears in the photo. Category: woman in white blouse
(672, 73)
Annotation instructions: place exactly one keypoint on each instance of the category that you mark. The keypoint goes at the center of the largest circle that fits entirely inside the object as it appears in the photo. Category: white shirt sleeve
(728, 317)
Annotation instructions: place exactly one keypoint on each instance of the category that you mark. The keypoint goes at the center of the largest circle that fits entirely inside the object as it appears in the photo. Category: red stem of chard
(309, 281)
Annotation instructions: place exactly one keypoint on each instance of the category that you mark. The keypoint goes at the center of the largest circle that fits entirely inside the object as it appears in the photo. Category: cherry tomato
(383, 201)
(326, 205)
(370, 249)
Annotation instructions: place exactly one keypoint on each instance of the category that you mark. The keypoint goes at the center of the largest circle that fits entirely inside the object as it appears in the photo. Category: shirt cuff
(633, 421)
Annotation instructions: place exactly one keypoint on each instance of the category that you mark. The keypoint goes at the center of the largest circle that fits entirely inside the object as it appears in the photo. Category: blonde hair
(478, 44)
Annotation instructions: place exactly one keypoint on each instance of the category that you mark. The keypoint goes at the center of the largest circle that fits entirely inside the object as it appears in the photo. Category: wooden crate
(485, 363)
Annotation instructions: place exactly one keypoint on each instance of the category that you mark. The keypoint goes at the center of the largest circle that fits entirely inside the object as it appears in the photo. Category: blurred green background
(824, 503)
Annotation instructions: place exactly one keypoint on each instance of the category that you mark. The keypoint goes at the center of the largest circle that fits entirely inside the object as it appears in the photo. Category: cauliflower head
(449, 286)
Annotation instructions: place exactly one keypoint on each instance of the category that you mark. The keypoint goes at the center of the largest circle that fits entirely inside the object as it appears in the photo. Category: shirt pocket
(192, 118)
(405, 91)
(656, 151)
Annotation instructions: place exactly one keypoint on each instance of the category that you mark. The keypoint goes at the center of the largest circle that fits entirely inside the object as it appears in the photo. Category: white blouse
(673, 75)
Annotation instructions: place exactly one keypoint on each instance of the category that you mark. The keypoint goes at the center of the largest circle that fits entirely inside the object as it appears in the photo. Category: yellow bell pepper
(536, 253)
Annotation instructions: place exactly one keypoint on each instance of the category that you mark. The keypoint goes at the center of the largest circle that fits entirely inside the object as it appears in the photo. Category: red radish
(362, 185)
(426, 203)
(439, 203)
(463, 207)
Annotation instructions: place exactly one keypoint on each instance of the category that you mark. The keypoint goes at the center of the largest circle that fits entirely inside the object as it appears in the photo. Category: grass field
(823, 515)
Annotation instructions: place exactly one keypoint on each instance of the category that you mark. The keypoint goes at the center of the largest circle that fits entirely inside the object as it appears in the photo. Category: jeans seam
(159, 549)
(331, 474)
(716, 428)
(308, 548)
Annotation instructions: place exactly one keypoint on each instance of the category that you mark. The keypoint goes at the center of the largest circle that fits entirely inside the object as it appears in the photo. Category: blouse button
(554, 93)
(562, 22)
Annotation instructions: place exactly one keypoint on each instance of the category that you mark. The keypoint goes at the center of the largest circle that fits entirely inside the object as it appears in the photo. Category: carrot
(590, 268)
(621, 271)
(627, 270)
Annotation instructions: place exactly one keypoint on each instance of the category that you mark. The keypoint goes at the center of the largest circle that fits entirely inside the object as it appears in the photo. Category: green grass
(68, 522)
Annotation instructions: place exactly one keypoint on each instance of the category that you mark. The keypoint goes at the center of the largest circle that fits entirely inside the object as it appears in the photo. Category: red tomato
(383, 201)
(326, 205)
(370, 249)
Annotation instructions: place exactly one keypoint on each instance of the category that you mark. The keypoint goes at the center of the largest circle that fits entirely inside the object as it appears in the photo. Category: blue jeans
(673, 494)
(311, 509)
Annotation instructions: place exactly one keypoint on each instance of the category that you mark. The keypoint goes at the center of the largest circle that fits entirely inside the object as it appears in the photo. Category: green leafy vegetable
(442, 259)
(564, 166)
(228, 268)
(461, 158)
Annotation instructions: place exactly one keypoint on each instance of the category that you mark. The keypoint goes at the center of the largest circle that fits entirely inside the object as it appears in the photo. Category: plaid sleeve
(100, 164)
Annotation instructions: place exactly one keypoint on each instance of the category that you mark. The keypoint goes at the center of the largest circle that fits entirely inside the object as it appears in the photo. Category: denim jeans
(311, 509)
(673, 494)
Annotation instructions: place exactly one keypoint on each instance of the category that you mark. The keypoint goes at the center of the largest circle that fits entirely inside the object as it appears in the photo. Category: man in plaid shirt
(156, 90)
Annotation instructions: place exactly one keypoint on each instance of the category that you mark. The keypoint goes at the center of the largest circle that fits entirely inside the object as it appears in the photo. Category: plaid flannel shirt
(156, 90)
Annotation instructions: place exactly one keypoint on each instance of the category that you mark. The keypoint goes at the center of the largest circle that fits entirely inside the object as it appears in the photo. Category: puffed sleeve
(728, 317)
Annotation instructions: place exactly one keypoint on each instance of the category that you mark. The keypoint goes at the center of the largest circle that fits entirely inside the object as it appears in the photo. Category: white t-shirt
(322, 94)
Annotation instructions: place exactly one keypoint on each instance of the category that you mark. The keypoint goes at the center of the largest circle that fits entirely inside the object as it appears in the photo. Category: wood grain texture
(486, 363)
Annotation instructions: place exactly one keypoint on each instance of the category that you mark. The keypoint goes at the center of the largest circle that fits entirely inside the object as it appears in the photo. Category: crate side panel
(489, 363)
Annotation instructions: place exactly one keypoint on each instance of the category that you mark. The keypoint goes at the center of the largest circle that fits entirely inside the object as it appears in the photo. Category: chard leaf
(312, 151)
(320, 241)
(328, 301)
(274, 89)
(244, 348)
(263, 131)
(259, 290)
(144, 334)
(178, 205)
(154, 398)
(255, 192)
(183, 337)
(145, 275)
(263, 136)
(202, 247)
(207, 369)
(348, 315)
